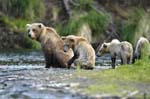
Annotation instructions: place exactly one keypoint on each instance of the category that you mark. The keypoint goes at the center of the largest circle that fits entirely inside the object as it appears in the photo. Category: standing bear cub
(84, 54)
(123, 50)
(51, 43)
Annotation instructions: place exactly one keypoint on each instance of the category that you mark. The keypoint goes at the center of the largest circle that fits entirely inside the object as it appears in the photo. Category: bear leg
(133, 59)
(73, 59)
(121, 60)
(48, 65)
(129, 60)
(125, 59)
(113, 59)
(48, 59)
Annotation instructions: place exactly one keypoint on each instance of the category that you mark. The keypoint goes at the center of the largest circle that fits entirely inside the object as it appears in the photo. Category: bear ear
(104, 46)
(63, 37)
(40, 25)
(72, 40)
(28, 25)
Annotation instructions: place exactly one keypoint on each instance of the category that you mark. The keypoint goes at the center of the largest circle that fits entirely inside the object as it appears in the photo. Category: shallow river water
(23, 76)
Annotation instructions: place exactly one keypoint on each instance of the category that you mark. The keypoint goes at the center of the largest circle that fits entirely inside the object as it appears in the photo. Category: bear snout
(29, 35)
(66, 48)
(32, 36)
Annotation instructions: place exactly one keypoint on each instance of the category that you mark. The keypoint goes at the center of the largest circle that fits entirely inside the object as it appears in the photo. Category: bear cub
(122, 49)
(84, 54)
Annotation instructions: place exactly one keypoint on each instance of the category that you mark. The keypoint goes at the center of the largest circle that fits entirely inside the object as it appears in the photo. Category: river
(23, 76)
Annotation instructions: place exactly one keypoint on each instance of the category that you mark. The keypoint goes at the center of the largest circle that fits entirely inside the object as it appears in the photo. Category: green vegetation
(23, 8)
(18, 26)
(97, 22)
(116, 81)
(28, 43)
(13, 24)
(5, 21)
(70, 28)
(143, 27)
(130, 26)
(85, 14)
(15, 14)
(133, 20)
(85, 5)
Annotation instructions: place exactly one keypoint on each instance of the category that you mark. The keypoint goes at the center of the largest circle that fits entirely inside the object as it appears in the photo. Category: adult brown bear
(51, 43)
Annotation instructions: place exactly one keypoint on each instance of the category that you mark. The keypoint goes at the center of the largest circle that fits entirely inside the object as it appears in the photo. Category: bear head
(103, 49)
(69, 42)
(73, 41)
(35, 30)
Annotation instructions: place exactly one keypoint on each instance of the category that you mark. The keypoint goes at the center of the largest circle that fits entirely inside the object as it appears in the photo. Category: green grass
(129, 27)
(18, 26)
(70, 28)
(5, 21)
(102, 88)
(97, 21)
(117, 81)
(14, 24)
(30, 44)
(85, 4)
(26, 9)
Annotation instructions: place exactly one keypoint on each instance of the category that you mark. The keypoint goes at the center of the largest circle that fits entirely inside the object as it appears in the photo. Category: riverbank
(125, 81)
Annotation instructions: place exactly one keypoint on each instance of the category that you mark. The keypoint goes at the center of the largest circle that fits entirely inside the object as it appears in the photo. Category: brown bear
(83, 51)
(51, 43)
(116, 48)
(142, 48)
